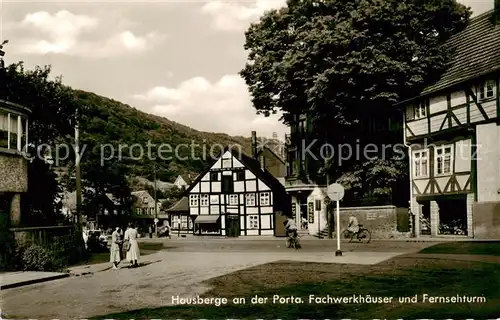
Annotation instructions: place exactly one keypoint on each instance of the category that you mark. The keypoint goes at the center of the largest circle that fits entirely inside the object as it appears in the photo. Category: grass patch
(472, 248)
(103, 257)
(398, 277)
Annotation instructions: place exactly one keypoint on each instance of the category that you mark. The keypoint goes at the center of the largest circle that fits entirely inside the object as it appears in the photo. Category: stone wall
(13, 171)
(382, 221)
(486, 220)
(64, 241)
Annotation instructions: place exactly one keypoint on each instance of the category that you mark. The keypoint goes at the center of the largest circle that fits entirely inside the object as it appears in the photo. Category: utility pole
(328, 211)
(77, 176)
(156, 201)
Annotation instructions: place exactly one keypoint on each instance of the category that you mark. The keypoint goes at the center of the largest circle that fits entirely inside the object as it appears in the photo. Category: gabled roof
(251, 164)
(113, 199)
(141, 193)
(180, 206)
(272, 152)
(477, 53)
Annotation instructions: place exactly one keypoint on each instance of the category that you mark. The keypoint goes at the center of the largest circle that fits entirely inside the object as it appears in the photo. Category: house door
(232, 225)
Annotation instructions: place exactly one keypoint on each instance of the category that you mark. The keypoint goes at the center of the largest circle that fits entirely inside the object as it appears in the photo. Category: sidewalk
(20, 278)
(307, 237)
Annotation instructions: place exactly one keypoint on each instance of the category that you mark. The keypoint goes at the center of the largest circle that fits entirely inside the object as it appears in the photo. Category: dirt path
(164, 275)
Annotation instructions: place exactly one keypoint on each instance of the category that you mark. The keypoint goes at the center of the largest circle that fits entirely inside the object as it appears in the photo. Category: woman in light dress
(115, 248)
(133, 255)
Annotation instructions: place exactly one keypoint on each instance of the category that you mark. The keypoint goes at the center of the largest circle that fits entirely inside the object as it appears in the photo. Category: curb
(33, 281)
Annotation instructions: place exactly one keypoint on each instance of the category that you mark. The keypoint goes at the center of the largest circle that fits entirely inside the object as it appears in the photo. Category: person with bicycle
(353, 225)
(291, 228)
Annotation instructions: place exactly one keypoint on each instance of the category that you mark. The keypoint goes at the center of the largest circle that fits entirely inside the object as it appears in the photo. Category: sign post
(335, 192)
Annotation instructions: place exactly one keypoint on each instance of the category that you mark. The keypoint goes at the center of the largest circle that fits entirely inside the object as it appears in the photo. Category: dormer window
(420, 110)
(486, 90)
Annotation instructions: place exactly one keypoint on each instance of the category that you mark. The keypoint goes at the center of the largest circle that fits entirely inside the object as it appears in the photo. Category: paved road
(172, 272)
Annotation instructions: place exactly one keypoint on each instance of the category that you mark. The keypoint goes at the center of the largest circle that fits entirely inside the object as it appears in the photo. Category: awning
(206, 219)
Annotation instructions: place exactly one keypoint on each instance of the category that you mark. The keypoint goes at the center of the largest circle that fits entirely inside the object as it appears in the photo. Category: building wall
(382, 221)
(486, 220)
(448, 110)
(14, 173)
(239, 202)
(274, 165)
(488, 162)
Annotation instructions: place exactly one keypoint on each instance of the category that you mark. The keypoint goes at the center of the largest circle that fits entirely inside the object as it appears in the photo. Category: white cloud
(237, 16)
(223, 106)
(63, 31)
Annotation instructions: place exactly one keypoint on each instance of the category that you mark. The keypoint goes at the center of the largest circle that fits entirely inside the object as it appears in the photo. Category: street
(176, 271)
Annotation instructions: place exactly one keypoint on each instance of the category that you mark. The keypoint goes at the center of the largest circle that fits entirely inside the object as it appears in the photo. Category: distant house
(144, 209)
(180, 219)
(183, 181)
(236, 196)
(104, 211)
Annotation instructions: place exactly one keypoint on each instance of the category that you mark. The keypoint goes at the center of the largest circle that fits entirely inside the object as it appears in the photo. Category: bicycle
(363, 235)
(293, 242)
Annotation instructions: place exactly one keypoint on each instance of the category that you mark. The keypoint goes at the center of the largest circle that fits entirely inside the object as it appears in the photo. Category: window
(226, 163)
(250, 199)
(421, 110)
(214, 176)
(214, 199)
(486, 90)
(253, 222)
(145, 200)
(204, 200)
(443, 160)
(318, 205)
(193, 200)
(233, 199)
(264, 199)
(421, 163)
(227, 184)
(240, 176)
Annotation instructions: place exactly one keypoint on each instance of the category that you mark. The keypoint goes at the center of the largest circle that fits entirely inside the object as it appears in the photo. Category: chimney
(254, 145)
(496, 13)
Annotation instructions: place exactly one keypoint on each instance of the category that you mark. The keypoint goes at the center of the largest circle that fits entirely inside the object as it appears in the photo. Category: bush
(38, 258)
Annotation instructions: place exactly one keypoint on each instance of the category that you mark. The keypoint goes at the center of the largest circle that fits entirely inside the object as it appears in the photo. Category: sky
(177, 59)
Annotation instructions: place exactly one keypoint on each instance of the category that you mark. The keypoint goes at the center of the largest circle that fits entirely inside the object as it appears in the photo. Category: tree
(172, 196)
(53, 108)
(345, 63)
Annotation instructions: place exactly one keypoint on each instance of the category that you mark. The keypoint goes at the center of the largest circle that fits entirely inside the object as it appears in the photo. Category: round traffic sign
(335, 192)
(156, 220)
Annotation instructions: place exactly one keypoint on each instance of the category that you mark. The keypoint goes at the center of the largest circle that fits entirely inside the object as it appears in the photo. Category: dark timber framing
(463, 83)
(276, 194)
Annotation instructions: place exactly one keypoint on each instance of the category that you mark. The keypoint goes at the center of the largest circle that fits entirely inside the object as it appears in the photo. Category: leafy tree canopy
(339, 59)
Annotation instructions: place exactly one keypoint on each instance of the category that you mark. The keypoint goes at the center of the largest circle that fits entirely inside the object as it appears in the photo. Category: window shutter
(410, 113)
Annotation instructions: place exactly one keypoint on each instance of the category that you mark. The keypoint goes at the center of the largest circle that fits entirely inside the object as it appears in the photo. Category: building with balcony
(13, 161)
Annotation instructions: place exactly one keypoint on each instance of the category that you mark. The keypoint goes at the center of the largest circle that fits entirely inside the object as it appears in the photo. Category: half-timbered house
(453, 133)
(237, 196)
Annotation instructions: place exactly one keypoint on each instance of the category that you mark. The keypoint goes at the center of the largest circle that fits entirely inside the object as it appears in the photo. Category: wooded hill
(112, 123)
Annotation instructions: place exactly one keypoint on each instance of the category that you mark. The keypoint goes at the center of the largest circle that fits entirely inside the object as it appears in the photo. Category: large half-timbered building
(453, 133)
(237, 196)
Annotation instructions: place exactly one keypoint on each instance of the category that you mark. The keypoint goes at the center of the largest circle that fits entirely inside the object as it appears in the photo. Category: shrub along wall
(47, 248)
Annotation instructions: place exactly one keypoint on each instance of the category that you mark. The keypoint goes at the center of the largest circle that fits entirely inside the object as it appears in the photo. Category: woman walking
(115, 248)
(131, 236)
